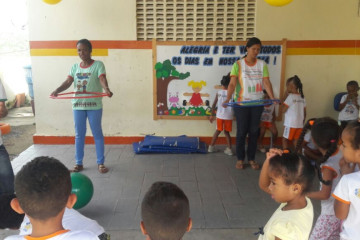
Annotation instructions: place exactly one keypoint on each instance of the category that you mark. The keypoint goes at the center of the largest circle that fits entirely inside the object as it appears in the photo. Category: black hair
(353, 128)
(225, 80)
(85, 42)
(43, 187)
(8, 217)
(305, 129)
(326, 134)
(293, 168)
(250, 42)
(165, 211)
(352, 83)
(297, 82)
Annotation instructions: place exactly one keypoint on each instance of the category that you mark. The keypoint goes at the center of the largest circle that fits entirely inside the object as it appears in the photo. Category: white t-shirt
(348, 192)
(250, 77)
(291, 224)
(267, 114)
(223, 113)
(294, 115)
(72, 220)
(60, 235)
(327, 206)
(349, 112)
(310, 143)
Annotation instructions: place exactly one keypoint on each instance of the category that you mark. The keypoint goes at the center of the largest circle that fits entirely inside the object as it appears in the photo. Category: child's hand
(211, 118)
(345, 167)
(272, 152)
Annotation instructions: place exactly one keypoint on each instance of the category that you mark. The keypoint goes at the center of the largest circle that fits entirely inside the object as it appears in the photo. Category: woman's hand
(54, 93)
(211, 119)
(108, 92)
(224, 104)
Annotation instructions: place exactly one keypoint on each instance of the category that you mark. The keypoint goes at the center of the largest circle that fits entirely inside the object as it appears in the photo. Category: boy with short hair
(72, 220)
(349, 104)
(43, 189)
(165, 212)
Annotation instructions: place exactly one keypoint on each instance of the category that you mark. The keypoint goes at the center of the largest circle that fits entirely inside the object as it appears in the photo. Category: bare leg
(214, 138)
(228, 138)
(261, 136)
(285, 143)
(274, 132)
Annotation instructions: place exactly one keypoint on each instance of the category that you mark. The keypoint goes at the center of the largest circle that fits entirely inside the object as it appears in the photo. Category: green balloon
(83, 189)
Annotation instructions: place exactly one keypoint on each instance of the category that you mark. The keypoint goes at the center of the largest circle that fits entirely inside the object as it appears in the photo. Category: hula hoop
(253, 103)
(88, 95)
(5, 128)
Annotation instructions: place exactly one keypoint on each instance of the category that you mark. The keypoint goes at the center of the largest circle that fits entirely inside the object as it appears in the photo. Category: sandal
(77, 168)
(102, 168)
(240, 165)
(254, 165)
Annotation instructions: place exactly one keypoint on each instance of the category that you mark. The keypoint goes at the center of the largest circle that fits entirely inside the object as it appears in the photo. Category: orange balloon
(278, 3)
(52, 1)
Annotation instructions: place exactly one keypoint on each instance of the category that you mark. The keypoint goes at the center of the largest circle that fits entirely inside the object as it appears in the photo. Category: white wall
(77, 19)
(129, 112)
(309, 20)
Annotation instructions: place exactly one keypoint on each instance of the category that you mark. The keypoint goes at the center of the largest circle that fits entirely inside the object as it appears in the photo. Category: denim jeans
(247, 123)
(6, 172)
(94, 117)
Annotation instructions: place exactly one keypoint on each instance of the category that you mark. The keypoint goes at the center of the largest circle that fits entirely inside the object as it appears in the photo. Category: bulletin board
(187, 74)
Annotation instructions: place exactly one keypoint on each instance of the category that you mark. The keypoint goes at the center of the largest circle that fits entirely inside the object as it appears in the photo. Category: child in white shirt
(224, 117)
(294, 108)
(267, 122)
(325, 133)
(349, 104)
(43, 191)
(347, 192)
(287, 177)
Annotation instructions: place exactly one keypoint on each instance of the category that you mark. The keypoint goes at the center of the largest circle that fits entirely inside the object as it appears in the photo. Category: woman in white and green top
(249, 76)
(87, 76)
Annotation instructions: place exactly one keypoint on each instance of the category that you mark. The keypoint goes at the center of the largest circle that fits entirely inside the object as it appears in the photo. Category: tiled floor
(221, 197)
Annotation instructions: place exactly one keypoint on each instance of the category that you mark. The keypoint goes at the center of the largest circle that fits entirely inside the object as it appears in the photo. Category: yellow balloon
(52, 1)
(278, 3)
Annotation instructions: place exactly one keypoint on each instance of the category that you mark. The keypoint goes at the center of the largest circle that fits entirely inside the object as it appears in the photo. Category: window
(195, 20)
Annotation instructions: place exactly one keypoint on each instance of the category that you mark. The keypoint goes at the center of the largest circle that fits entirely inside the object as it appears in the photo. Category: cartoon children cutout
(84, 82)
(196, 100)
(78, 85)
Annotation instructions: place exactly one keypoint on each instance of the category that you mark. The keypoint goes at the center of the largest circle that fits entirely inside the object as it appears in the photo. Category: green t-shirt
(249, 84)
(87, 79)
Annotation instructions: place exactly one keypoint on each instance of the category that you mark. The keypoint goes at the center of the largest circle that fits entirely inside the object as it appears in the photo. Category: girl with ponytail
(325, 132)
(294, 108)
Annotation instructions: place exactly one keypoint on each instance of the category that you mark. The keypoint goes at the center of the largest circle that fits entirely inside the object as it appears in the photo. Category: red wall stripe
(95, 44)
(114, 44)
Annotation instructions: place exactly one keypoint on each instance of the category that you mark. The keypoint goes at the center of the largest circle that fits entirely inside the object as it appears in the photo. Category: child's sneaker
(211, 149)
(228, 152)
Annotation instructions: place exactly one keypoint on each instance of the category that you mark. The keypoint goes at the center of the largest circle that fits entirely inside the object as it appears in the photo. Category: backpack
(337, 100)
